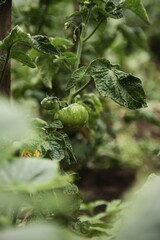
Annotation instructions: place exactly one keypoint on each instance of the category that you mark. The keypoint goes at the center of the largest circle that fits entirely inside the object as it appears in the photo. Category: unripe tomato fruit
(49, 103)
(73, 116)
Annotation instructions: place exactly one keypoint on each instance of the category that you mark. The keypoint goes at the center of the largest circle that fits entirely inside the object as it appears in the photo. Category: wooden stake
(5, 27)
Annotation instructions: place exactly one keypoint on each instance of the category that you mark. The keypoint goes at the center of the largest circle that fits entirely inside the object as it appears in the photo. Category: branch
(94, 30)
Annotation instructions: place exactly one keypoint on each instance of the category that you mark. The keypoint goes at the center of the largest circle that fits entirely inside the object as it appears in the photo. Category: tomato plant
(65, 71)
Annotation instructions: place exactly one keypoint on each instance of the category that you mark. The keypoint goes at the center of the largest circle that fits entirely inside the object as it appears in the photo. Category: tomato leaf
(56, 124)
(54, 147)
(22, 57)
(76, 77)
(16, 35)
(114, 11)
(30, 174)
(137, 7)
(121, 87)
(43, 45)
(35, 231)
(47, 69)
(141, 219)
(38, 42)
(69, 148)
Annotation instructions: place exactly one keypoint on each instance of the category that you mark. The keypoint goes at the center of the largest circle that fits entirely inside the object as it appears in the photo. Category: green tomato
(73, 116)
(50, 103)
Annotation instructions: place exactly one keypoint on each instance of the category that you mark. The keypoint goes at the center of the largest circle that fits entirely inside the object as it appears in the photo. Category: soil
(106, 184)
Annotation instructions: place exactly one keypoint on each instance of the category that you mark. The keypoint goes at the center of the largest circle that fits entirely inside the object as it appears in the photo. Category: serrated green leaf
(43, 45)
(57, 144)
(22, 57)
(56, 124)
(38, 42)
(47, 69)
(54, 147)
(137, 7)
(69, 148)
(16, 35)
(121, 87)
(76, 77)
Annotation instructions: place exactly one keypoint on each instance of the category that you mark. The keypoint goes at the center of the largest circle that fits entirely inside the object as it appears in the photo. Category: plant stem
(78, 56)
(82, 88)
(73, 91)
(5, 65)
(94, 30)
(80, 46)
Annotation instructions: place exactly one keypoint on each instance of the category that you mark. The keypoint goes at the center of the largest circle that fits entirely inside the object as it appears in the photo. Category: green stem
(73, 91)
(82, 88)
(80, 47)
(5, 65)
(94, 30)
(78, 56)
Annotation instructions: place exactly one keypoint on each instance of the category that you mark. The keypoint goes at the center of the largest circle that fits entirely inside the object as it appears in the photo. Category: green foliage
(121, 87)
(72, 127)
(137, 7)
(38, 231)
(114, 11)
(2, 2)
(18, 36)
(137, 224)
(25, 175)
(22, 57)
(110, 81)
(101, 223)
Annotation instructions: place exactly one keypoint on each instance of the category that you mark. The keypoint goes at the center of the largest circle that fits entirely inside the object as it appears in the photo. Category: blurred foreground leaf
(40, 232)
(30, 174)
(142, 219)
